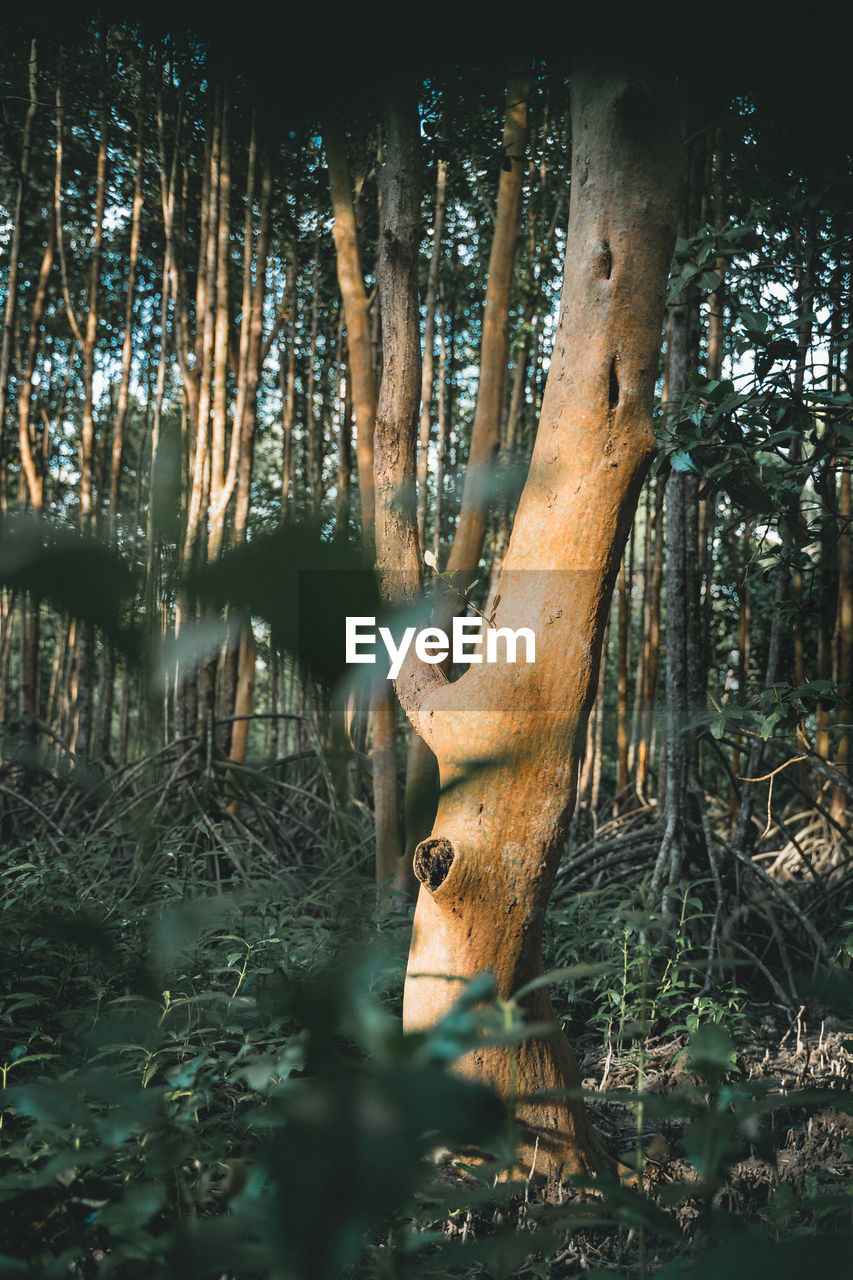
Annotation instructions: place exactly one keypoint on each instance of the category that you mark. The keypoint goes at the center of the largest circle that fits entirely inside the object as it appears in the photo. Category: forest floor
(759, 1200)
(198, 961)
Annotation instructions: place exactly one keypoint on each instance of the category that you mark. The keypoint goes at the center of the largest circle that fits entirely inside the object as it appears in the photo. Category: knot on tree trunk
(433, 860)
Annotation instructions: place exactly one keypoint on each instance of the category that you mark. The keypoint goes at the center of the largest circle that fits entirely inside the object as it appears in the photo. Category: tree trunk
(508, 736)
(342, 500)
(651, 647)
(398, 548)
(642, 655)
(117, 450)
(359, 344)
(287, 377)
(223, 459)
(9, 315)
(243, 701)
(479, 483)
(623, 615)
(430, 305)
(442, 417)
(86, 334)
(485, 429)
(362, 375)
(743, 838)
(743, 596)
(312, 470)
(682, 832)
(32, 465)
(844, 713)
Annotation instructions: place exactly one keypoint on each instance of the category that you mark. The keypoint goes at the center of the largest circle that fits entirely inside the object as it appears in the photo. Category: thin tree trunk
(238, 669)
(258, 349)
(127, 342)
(287, 378)
(205, 342)
(623, 660)
(805, 303)
(105, 713)
(844, 712)
(430, 305)
(243, 702)
(356, 315)
(362, 373)
(10, 311)
(598, 736)
(311, 450)
(485, 429)
(652, 663)
(745, 832)
(32, 467)
(397, 545)
(342, 502)
(442, 418)
(86, 334)
(478, 485)
(223, 460)
(743, 652)
(641, 668)
(681, 825)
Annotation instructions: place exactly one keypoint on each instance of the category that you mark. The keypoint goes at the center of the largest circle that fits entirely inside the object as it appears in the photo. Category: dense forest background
(207, 840)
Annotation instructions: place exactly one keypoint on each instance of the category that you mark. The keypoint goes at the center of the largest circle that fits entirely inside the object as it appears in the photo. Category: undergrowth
(203, 1074)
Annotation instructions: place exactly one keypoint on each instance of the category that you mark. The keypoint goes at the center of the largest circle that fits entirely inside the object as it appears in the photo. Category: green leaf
(711, 1053)
(681, 461)
(768, 724)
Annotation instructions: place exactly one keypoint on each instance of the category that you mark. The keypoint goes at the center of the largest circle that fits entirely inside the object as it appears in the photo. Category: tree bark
(10, 311)
(430, 306)
(356, 313)
(508, 737)
(398, 551)
(623, 614)
(381, 513)
(287, 377)
(479, 482)
(844, 713)
(744, 602)
(681, 826)
(120, 420)
(485, 429)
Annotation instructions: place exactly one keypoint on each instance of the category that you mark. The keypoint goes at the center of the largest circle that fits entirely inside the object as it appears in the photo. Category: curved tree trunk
(508, 737)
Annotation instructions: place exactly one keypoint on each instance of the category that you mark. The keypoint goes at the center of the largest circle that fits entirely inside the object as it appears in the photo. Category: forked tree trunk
(508, 736)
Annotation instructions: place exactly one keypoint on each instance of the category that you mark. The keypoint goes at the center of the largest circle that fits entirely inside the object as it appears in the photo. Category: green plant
(652, 971)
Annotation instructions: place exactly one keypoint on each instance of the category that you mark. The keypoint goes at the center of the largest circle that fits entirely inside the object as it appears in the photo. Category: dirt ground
(788, 1168)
